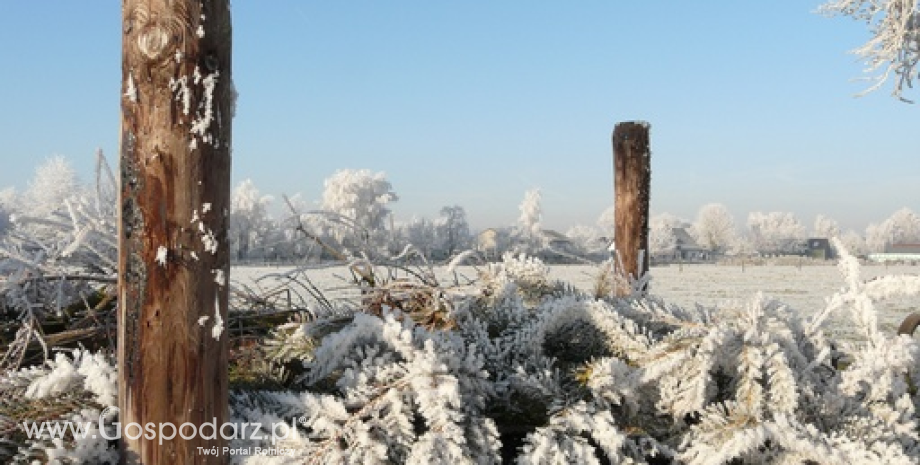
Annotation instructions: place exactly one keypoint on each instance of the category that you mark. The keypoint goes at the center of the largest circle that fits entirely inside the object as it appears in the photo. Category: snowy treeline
(776, 233)
(355, 214)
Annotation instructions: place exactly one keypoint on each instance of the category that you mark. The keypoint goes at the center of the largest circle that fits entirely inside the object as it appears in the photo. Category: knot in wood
(156, 37)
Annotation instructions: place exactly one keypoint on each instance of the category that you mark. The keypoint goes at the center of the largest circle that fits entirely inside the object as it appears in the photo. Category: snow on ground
(802, 288)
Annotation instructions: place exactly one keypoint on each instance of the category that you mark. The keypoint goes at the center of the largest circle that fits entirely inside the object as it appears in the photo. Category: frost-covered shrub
(520, 274)
(75, 389)
(58, 254)
(552, 375)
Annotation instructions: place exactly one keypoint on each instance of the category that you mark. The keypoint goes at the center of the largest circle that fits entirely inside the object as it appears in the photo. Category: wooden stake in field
(631, 180)
(177, 107)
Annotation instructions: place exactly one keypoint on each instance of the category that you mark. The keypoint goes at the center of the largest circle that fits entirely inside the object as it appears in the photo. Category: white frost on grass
(162, 253)
(65, 373)
(218, 328)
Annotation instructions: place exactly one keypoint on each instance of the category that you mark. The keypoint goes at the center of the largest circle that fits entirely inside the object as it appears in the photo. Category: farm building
(898, 253)
(687, 249)
(820, 248)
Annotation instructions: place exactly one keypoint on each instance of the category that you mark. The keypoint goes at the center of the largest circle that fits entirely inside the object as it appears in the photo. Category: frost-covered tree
(893, 51)
(422, 234)
(529, 223)
(775, 232)
(854, 243)
(662, 242)
(743, 246)
(826, 227)
(606, 222)
(586, 239)
(453, 230)
(714, 227)
(877, 238)
(902, 227)
(54, 181)
(249, 219)
(7, 208)
(362, 199)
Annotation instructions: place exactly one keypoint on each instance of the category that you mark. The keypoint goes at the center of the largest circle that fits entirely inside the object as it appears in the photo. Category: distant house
(898, 253)
(820, 248)
(558, 241)
(557, 247)
(687, 249)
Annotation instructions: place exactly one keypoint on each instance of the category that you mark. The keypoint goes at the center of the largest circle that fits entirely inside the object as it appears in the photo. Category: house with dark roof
(820, 248)
(687, 249)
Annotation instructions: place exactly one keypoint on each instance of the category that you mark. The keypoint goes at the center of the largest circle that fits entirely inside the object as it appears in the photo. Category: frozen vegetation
(382, 357)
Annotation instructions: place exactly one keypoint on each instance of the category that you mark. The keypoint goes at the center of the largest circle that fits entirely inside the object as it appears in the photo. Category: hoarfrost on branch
(893, 51)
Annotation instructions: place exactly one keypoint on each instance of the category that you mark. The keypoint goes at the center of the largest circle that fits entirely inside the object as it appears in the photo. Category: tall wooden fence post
(176, 111)
(632, 179)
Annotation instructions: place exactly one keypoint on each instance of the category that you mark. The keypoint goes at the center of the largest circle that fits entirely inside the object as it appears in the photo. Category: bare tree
(177, 105)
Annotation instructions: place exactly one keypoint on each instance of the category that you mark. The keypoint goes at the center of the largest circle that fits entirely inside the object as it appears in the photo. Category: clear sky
(472, 103)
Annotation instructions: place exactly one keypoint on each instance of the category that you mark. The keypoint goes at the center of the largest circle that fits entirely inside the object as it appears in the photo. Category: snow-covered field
(803, 289)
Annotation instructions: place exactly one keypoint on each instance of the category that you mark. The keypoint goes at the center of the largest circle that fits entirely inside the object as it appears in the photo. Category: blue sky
(473, 103)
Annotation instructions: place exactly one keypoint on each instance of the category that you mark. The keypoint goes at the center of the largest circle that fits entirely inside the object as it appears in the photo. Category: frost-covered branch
(893, 51)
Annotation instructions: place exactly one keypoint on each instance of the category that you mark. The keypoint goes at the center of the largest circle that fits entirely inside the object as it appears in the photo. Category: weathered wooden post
(631, 180)
(177, 106)
(910, 324)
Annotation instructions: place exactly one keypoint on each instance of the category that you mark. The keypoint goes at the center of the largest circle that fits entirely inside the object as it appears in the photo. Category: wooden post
(176, 111)
(632, 178)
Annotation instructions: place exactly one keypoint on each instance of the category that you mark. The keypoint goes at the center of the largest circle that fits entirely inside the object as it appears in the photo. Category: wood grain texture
(177, 103)
(632, 179)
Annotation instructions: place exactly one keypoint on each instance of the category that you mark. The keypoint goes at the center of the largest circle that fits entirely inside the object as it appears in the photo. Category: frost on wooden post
(183, 94)
(205, 115)
(183, 102)
(130, 90)
(218, 327)
(162, 253)
(219, 277)
(203, 320)
(207, 235)
(208, 239)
